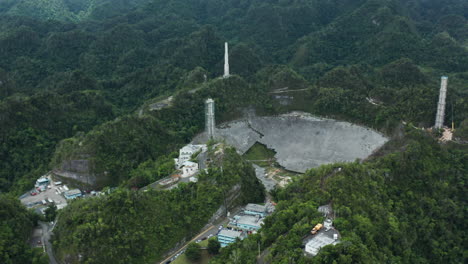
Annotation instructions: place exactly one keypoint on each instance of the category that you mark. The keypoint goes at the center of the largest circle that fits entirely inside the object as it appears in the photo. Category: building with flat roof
(193, 179)
(189, 168)
(185, 153)
(42, 181)
(256, 209)
(226, 237)
(72, 194)
(247, 222)
(323, 238)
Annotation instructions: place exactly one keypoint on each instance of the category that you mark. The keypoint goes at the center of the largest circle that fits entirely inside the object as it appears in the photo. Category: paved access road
(46, 233)
(213, 230)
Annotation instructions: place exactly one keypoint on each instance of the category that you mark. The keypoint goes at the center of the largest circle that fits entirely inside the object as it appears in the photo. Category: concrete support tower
(441, 105)
(226, 61)
(210, 118)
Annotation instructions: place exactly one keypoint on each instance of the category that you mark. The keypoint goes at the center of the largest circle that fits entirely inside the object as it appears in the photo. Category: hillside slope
(406, 207)
(140, 226)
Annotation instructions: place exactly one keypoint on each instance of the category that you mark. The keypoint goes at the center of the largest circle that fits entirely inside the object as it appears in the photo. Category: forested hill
(77, 78)
(406, 207)
(132, 51)
(140, 226)
(67, 10)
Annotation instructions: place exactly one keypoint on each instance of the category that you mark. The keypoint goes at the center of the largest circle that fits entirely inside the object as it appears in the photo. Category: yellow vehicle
(316, 228)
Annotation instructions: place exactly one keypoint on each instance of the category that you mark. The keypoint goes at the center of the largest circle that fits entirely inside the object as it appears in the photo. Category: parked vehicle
(316, 228)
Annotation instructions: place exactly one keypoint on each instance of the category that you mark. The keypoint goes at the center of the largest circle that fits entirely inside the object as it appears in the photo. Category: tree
(213, 246)
(51, 212)
(193, 252)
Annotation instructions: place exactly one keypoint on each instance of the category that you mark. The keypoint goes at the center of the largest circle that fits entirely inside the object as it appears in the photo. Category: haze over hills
(78, 79)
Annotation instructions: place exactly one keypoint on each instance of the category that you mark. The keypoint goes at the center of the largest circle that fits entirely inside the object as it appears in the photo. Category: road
(213, 230)
(267, 182)
(46, 232)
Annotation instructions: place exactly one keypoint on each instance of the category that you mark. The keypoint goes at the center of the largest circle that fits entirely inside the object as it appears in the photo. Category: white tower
(210, 118)
(226, 61)
(441, 105)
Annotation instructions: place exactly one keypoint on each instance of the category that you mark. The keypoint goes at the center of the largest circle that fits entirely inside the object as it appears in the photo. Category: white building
(193, 179)
(185, 153)
(189, 168)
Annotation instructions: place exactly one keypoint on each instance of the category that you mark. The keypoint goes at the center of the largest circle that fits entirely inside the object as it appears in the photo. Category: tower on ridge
(441, 105)
(226, 61)
(210, 118)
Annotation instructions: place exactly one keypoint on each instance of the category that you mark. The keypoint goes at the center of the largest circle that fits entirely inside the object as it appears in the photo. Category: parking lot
(51, 192)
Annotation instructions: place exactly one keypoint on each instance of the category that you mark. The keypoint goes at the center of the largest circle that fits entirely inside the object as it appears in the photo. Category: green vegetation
(182, 259)
(15, 227)
(260, 154)
(405, 207)
(118, 55)
(50, 213)
(31, 126)
(77, 80)
(205, 255)
(213, 246)
(193, 252)
(118, 147)
(151, 171)
(139, 227)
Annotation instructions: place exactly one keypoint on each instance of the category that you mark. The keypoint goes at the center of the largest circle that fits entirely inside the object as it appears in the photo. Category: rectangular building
(185, 153)
(42, 181)
(72, 194)
(226, 237)
(256, 209)
(247, 222)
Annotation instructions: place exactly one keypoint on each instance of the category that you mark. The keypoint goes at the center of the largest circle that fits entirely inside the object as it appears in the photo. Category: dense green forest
(405, 207)
(15, 227)
(132, 51)
(77, 78)
(139, 227)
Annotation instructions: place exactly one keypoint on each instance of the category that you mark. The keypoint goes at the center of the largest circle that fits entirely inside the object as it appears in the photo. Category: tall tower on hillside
(441, 105)
(210, 118)
(226, 61)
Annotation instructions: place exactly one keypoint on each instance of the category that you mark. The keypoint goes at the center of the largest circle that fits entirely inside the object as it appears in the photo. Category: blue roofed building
(72, 194)
(42, 181)
(247, 222)
(256, 209)
(226, 237)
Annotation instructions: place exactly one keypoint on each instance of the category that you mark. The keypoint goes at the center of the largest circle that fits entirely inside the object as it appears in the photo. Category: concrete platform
(313, 243)
(301, 141)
